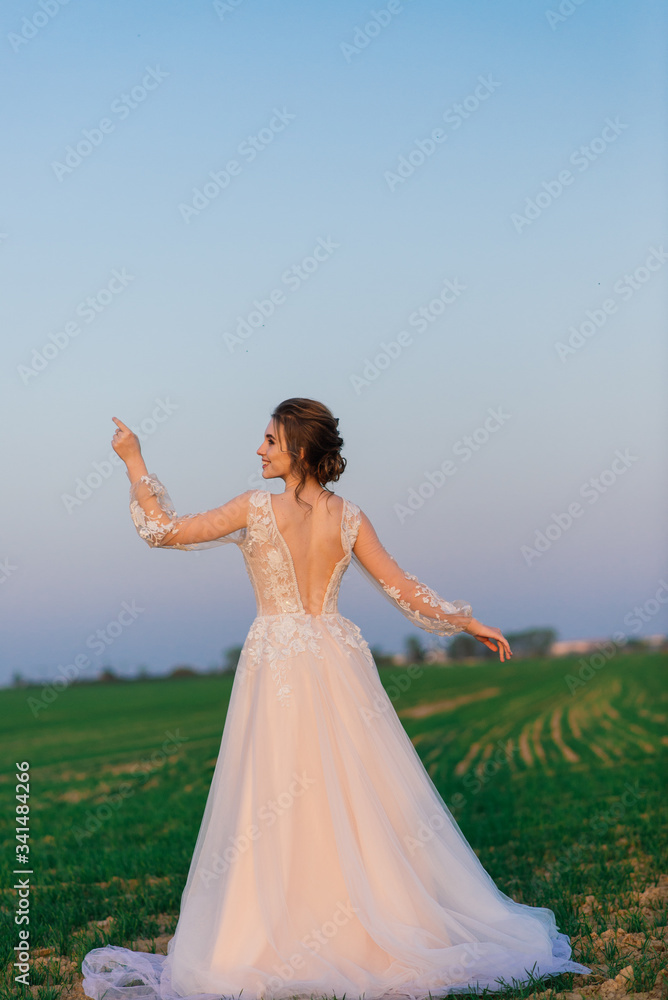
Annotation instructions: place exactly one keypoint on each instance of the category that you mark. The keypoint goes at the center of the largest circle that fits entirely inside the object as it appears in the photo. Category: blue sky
(174, 164)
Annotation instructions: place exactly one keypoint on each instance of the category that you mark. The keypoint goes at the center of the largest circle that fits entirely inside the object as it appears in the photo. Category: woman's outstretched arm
(152, 511)
(416, 601)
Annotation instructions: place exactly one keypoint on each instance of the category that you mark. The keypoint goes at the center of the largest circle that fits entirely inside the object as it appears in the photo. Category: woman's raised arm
(153, 513)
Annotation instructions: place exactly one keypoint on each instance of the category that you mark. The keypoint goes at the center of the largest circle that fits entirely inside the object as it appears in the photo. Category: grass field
(559, 791)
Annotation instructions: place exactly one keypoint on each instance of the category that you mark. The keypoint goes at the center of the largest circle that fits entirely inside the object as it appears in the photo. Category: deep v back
(287, 582)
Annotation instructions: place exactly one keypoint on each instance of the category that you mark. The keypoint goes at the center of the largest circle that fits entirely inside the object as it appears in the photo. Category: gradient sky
(219, 74)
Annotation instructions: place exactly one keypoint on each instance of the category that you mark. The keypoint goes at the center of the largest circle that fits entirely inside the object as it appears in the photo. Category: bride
(327, 863)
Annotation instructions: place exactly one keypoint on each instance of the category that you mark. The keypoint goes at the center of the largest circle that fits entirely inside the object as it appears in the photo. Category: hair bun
(311, 426)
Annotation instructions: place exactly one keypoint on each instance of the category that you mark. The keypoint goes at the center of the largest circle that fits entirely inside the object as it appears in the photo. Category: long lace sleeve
(415, 600)
(159, 525)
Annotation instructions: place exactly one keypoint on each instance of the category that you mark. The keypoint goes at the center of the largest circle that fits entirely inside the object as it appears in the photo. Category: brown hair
(310, 425)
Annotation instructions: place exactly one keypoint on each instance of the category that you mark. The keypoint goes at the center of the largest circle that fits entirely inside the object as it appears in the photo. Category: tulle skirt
(327, 862)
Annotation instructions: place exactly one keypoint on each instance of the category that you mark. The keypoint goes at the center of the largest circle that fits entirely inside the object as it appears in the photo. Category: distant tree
(637, 643)
(437, 651)
(142, 672)
(231, 659)
(381, 658)
(532, 642)
(464, 647)
(183, 670)
(415, 651)
(17, 679)
(108, 676)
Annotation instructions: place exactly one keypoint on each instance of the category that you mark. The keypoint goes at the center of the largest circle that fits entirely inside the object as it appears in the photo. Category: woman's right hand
(125, 442)
(488, 636)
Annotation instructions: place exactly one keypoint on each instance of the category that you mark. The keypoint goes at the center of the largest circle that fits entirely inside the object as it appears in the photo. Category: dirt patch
(447, 704)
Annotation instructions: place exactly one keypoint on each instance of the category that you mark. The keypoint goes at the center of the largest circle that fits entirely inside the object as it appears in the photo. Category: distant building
(569, 647)
(656, 641)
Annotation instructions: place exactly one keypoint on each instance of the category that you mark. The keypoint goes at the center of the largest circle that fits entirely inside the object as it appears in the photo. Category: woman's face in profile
(275, 459)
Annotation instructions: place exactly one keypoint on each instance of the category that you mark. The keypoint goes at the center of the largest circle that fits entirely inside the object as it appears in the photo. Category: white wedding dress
(326, 862)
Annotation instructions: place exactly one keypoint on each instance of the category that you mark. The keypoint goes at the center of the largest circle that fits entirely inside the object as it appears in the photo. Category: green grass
(560, 795)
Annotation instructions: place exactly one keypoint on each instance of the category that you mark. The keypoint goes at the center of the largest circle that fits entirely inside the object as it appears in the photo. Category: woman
(326, 861)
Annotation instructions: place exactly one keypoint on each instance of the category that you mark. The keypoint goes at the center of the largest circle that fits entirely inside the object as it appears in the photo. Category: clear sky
(459, 209)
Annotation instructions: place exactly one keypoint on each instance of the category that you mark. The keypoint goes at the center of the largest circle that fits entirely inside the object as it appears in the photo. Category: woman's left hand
(493, 638)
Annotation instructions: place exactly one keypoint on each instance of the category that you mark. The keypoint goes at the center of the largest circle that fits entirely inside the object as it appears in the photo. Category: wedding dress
(326, 861)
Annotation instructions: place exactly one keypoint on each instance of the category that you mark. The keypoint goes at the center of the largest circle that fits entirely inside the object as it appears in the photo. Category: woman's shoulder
(258, 502)
(256, 494)
(351, 517)
(351, 505)
(335, 502)
(344, 505)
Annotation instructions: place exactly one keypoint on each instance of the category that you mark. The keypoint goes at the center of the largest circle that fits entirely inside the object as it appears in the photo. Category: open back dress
(327, 863)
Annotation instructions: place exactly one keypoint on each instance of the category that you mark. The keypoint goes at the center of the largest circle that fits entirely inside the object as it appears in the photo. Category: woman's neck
(310, 492)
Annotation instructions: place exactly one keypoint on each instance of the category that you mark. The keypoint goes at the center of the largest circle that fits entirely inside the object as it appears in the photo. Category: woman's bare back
(314, 541)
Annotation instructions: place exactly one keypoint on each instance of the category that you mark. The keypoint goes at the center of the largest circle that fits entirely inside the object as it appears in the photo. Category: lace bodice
(270, 565)
(269, 562)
